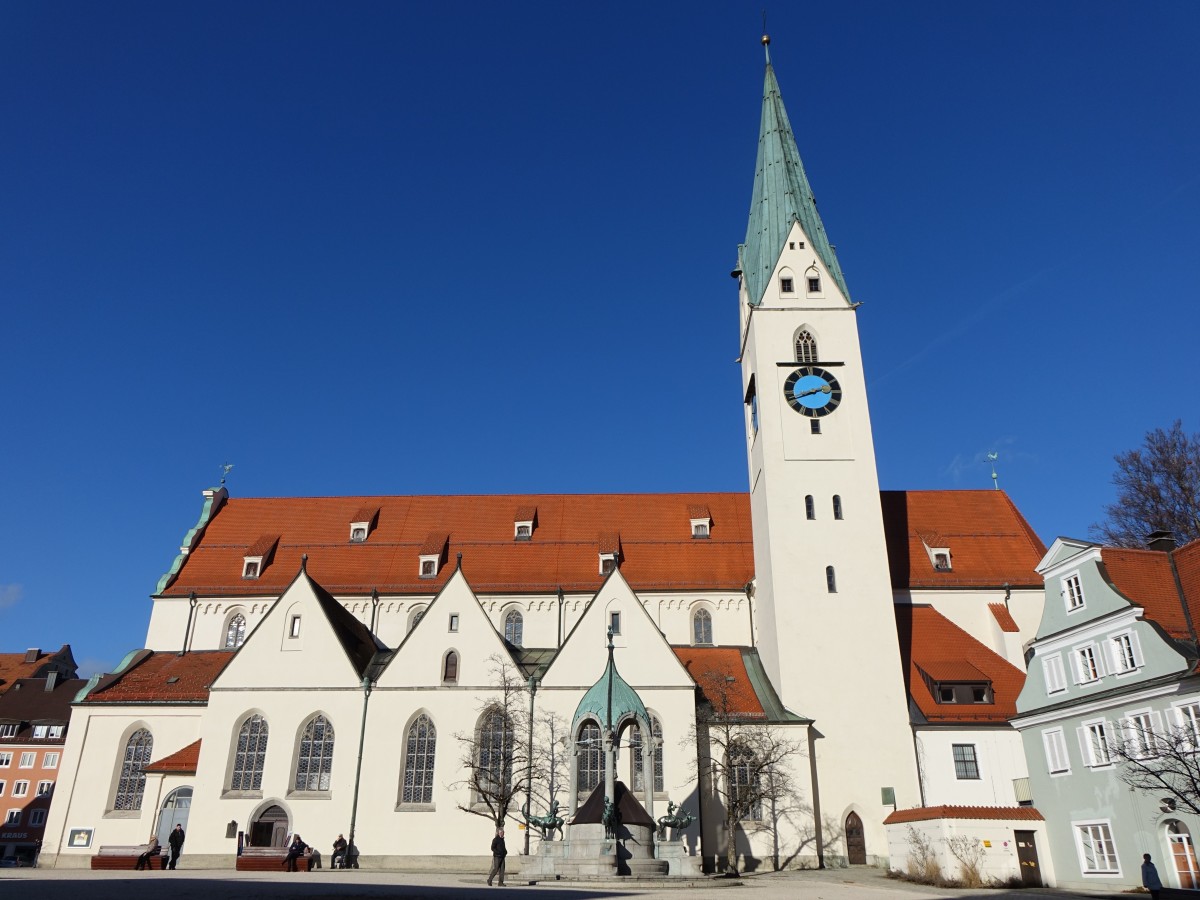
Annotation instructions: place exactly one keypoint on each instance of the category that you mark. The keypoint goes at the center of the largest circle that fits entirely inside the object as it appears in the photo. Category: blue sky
(386, 248)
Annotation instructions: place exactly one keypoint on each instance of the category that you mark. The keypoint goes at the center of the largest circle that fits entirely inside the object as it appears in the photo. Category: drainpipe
(366, 687)
(374, 609)
(749, 591)
(187, 630)
(529, 763)
(560, 606)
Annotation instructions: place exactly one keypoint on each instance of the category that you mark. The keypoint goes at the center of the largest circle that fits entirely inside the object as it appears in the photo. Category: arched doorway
(856, 841)
(270, 828)
(174, 811)
(1183, 855)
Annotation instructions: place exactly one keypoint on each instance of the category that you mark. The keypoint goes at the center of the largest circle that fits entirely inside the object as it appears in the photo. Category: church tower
(827, 631)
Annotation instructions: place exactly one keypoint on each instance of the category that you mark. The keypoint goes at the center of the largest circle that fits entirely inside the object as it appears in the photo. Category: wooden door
(1027, 859)
(1184, 856)
(856, 841)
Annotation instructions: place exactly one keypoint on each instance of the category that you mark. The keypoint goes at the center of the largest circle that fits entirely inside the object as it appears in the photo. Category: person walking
(146, 859)
(499, 851)
(1150, 879)
(176, 842)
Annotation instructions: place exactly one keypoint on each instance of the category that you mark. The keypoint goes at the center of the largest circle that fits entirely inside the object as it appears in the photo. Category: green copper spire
(781, 196)
(611, 698)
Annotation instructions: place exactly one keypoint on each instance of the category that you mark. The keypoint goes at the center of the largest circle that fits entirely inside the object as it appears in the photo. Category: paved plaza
(836, 884)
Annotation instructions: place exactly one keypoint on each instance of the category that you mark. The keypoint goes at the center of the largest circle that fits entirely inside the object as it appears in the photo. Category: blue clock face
(812, 392)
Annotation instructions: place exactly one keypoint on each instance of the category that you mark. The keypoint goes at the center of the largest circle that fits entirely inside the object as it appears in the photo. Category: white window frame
(44, 787)
(37, 818)
(527, 534)
(1072, 593)
(28, 759)
(430, 561)
(1099, 830)
(1058, 760)
(50, 760)
(13, 817)
(1186, 716)
(5, 759)
(1142, 729)
(609, 559)
(1089, 667)
(1095, 743)
(3, 786)
(452, 626)
(40, 732)
(9, 730)
(359, 532)
(1125, 652)
(251, 567)
(57, 731)
(1055, 674)
(701, 529)
(20, 788)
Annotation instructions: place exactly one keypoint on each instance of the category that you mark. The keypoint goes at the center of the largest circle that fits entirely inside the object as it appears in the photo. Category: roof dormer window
(258, 556)
(433, 551)
(939, 557)
(429, 566)
(609, 551)
(701, 522)
(700, 529)
(608, 562)
(251, 566)
(358, 533)
(963, 693)
(363, 524)
(524, 522)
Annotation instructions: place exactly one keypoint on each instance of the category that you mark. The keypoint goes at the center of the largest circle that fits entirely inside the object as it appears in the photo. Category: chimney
(1163, 541)
(32, 654)
(51, 680)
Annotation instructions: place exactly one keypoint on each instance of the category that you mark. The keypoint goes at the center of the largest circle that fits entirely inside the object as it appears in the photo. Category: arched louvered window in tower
(419, 751)
(514, 628)
(235, 632)
(495, 751)
(806, 347)
(315, 760)
(450, 668)
(635, 747)
(132, 781)
(591, 758)
(702, 632)
(249, 755)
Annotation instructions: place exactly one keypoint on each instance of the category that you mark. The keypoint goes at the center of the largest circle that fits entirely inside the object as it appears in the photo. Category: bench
(269, 859)
(125, 856)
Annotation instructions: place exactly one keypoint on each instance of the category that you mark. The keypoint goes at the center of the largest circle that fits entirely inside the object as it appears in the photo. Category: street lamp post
(529, 763)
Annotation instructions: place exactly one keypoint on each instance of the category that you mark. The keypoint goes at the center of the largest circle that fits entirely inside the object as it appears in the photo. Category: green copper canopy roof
(625, 700)
(781, 196)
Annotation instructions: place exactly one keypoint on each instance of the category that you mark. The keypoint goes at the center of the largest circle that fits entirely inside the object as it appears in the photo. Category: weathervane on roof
(225, 467)
(992, 457)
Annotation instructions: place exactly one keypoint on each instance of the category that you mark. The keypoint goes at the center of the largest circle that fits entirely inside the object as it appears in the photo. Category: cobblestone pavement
(835, 884)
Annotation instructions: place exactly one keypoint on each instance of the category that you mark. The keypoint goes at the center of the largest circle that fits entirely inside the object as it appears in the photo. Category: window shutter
(1112, 655)
(1085, 746)
(1137, 648)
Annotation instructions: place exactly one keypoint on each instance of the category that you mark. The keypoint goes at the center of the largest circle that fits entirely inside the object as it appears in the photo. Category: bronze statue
(677, 817)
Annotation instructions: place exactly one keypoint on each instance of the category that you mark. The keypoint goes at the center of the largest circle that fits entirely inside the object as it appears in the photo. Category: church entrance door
(270, 829)
(1183, 854)
(856, 841)
(174, 812)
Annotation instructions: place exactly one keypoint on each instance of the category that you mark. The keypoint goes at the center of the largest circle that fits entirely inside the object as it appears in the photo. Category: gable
(642, 654)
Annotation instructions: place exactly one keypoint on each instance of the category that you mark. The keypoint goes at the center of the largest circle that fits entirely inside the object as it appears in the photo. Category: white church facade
(328, 665)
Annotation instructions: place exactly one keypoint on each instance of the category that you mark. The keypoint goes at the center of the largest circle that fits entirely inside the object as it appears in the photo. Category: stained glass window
(418, 762)
(250, 755)
(315, 761)
(133, 775)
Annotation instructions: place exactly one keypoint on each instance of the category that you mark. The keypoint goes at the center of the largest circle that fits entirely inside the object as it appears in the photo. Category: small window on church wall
(830, 580)
(837, 506)
(814, 426)
(614, 622)
(806, 347)
(810, 507)
(814, 284)
(787, 286)
(294, 627)
(450, 668)
(752, 407)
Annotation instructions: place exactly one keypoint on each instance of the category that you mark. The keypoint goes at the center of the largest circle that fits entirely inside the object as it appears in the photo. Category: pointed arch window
(810, 507)
(830, 580)
(806, 347)
(702, 630)
(315, 760)
(250, 754)
(514, 628)
(131, 783)
(420, 747)
(235, 632)
(591, 757)
(414, 617)
(450, 668)
(635, 748)
(745, 786)
(494, 761)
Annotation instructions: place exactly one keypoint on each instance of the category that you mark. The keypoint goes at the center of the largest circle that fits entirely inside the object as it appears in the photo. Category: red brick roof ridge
(925, 813)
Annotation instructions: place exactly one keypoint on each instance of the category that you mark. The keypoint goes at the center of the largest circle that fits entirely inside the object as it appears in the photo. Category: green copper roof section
(625, 700)
(782, 196)
(214, 499)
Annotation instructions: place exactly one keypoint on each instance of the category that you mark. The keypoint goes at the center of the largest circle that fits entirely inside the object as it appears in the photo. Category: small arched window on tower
(450, 668)
(806, 347)
(831, 579)
(810, 507)
(514, 628)
(837, 506)
(702, 632)
(813, 277)
(235, 632)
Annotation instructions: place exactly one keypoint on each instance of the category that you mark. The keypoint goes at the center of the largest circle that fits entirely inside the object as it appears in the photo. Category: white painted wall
(1000, 756)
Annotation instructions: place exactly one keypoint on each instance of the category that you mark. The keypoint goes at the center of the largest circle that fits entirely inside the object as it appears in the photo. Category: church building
(326, 665)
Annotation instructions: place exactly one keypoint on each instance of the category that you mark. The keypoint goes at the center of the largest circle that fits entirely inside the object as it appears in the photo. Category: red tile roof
(366, 513)
(926, 813)
(931, 643)
(990, 542)
(698, 511)
(182, 761)
(163, 678)
(525, 514)
(1145, 578)
(1003, 617)
(721, 675)
(1187, 566)
(658, 552)
(14, 666)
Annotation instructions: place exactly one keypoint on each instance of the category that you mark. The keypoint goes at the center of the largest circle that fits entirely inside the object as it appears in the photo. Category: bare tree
(495, 762)
(1158, 488)
(750, 763)
(1163, 763)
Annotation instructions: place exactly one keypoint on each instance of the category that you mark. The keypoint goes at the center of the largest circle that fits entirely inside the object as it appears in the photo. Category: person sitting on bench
(295, 851)
(146, 860)
(338, 860)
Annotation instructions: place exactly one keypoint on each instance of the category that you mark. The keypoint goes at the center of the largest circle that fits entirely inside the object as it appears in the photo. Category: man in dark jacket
(499, 851)
(176, 842)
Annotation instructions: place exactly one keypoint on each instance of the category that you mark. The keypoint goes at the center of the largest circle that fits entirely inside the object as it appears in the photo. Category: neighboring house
(34, 713)
(1113, 664)
(33, 663)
